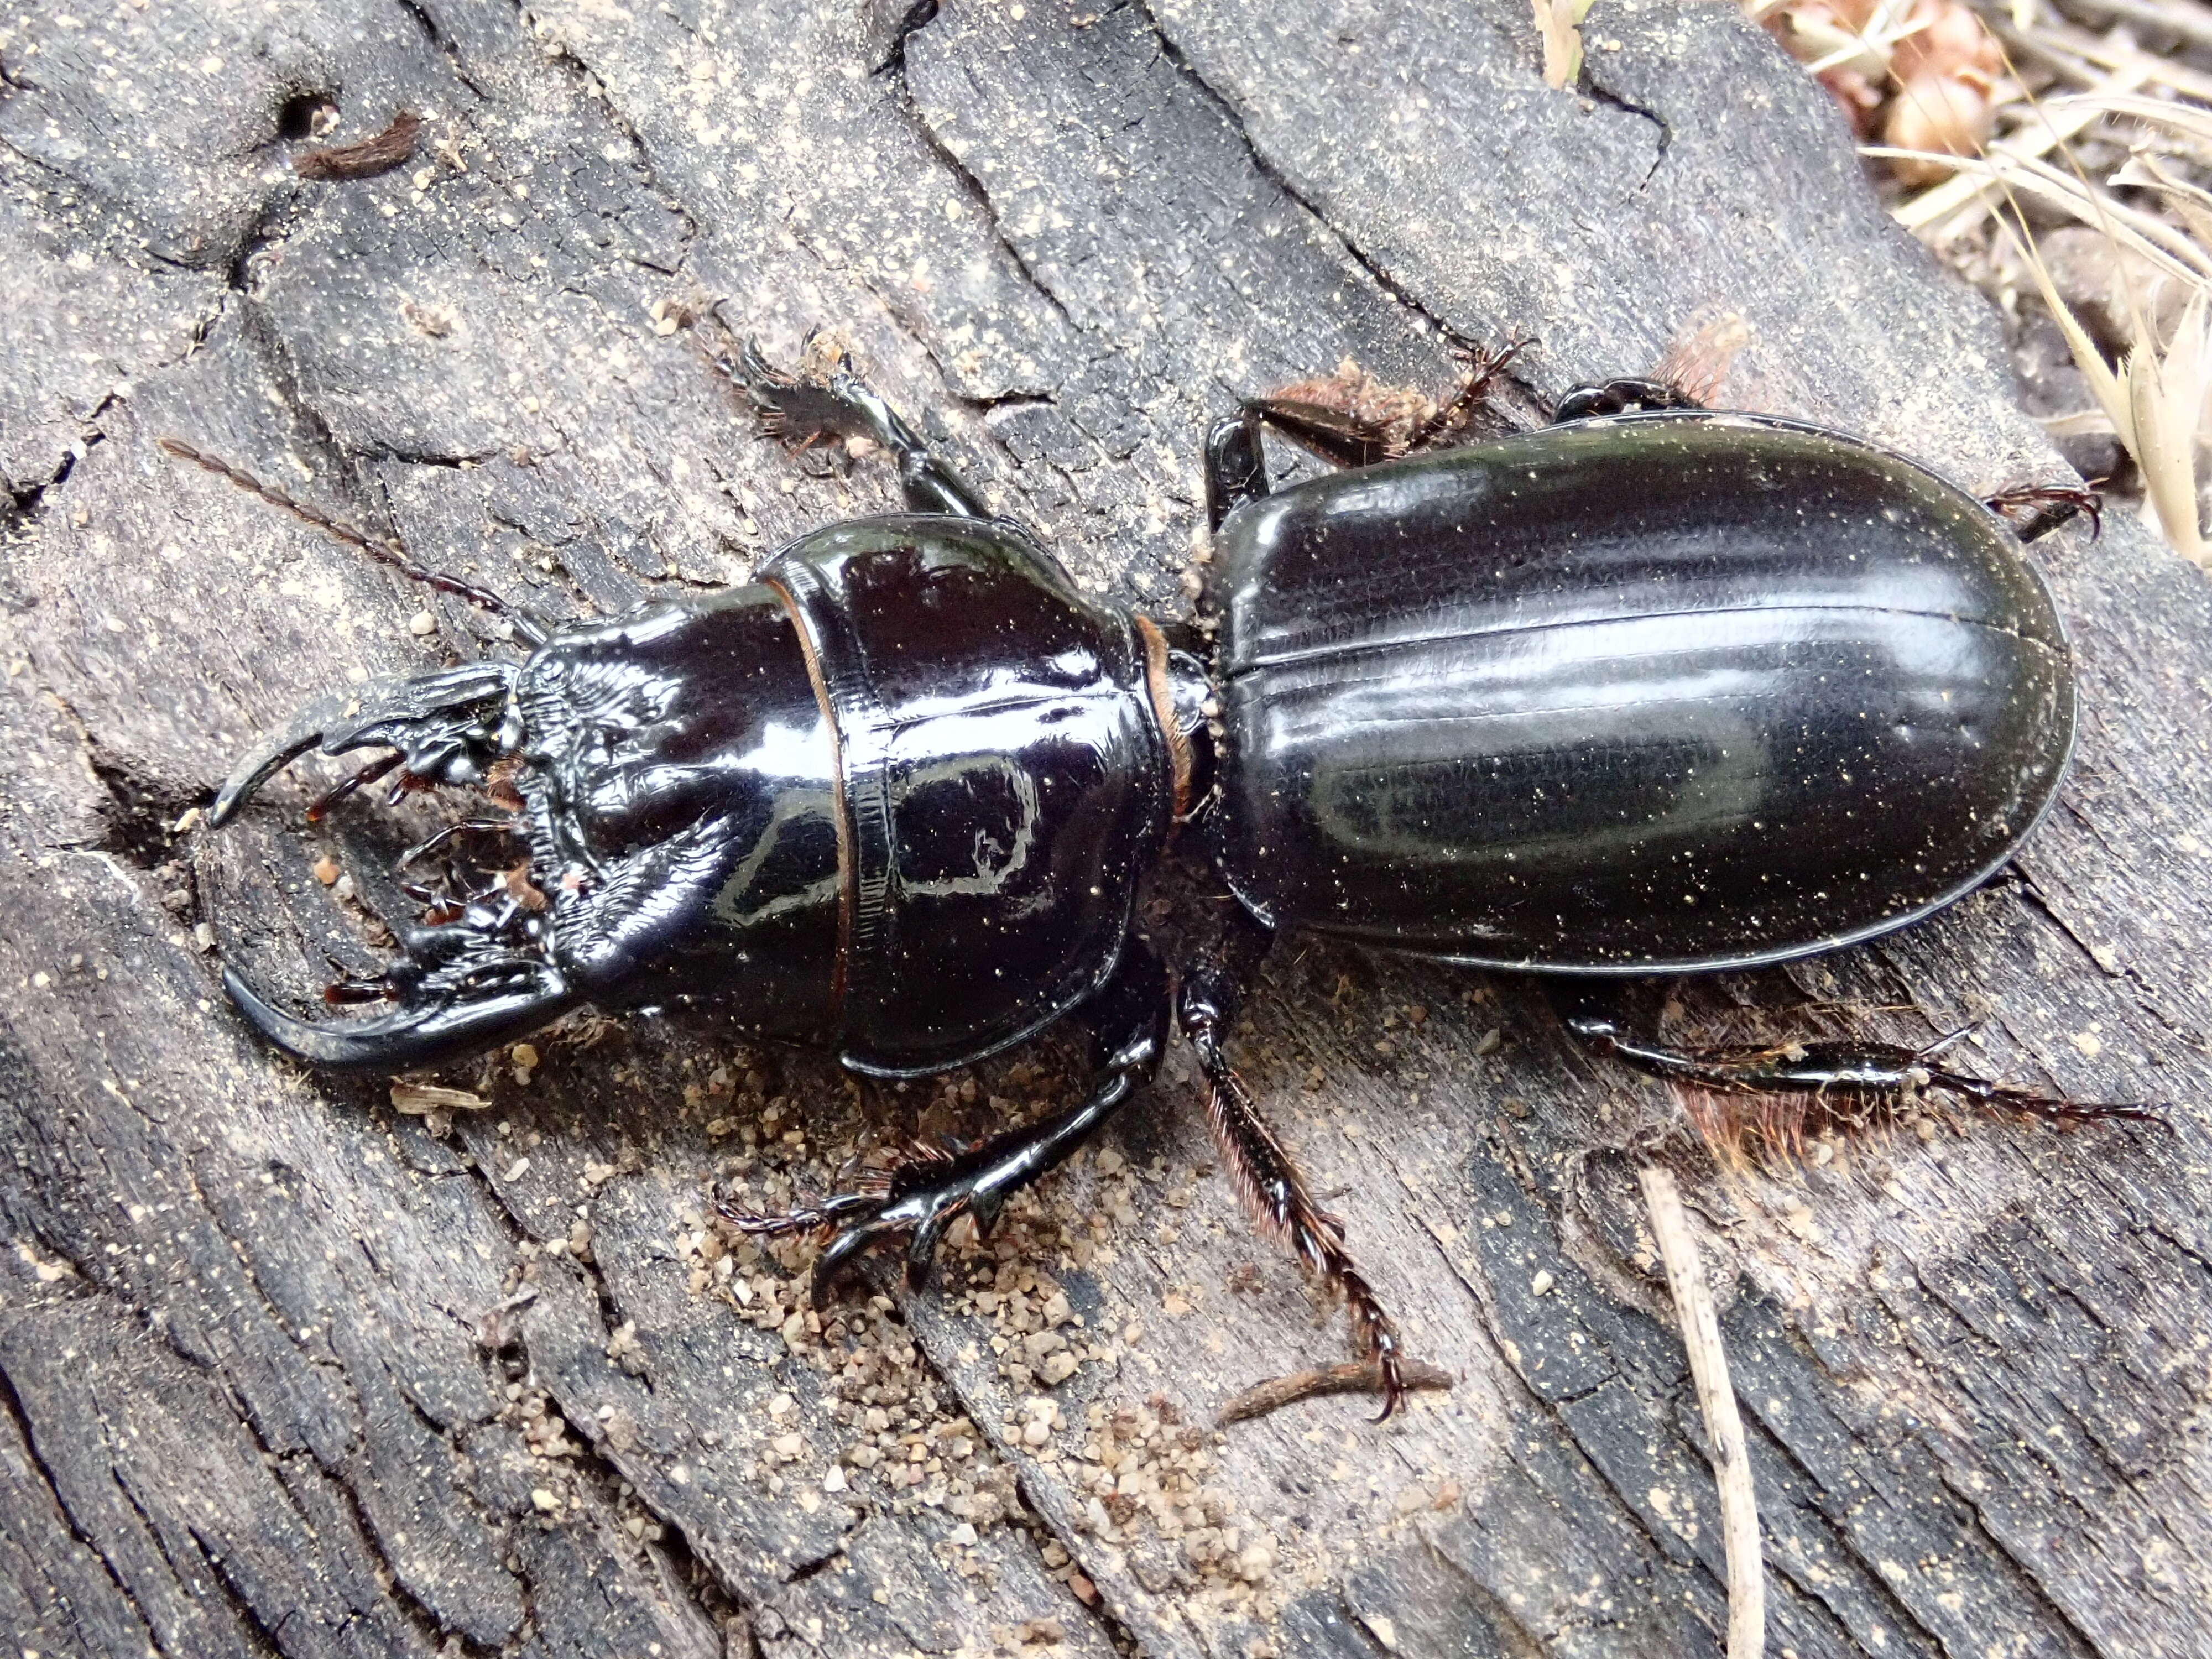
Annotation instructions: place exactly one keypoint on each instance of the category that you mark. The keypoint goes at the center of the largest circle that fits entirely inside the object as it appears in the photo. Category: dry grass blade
(2088, 422)
(1867, 49)
(1560, 23)
(1701, 1338)
(2154, 397)
(2153, 400)
(2165, 393)
(1957, 205)
(2165, 246)
(2192, 203)
(2079, 56)
(2189, 119)
(2111, 396)
(2190, 20)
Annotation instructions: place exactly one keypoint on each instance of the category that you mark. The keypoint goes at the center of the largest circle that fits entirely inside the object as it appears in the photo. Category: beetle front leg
(1235, 466)
(920, 1199)
(1273, 1191)
(801, 408)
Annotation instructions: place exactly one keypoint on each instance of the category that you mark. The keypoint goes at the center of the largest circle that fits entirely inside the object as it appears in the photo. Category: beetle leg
(1852, 1080)
(1235, 466)
(1484, 365)
(923, 1197)
(1348, 419)
(1273, 1191)
(2053, 505)
(803, 409)
(1236, 456)
(1353, 420)
(1627, 396)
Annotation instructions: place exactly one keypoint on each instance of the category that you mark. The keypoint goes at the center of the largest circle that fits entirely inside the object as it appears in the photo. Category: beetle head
(476, 968)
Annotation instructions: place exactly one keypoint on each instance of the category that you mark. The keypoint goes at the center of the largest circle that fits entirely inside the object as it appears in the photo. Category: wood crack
(1375, 269)
(970, 185)
(11, 1403)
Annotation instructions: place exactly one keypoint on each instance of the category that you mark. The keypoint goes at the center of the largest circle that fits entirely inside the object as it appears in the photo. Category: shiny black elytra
(1653, 690)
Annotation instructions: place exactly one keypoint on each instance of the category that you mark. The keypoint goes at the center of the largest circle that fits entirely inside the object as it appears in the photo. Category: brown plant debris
(1351, 1376)
(393, 147)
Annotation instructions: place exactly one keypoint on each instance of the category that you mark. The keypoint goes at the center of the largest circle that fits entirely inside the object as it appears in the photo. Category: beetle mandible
(1650, 689)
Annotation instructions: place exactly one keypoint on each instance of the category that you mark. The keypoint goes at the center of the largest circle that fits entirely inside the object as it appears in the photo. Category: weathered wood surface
(285, 1371)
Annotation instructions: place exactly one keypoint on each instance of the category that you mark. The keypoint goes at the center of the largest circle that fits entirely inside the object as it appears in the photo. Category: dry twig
(1352, 1376)
(1701, 1335)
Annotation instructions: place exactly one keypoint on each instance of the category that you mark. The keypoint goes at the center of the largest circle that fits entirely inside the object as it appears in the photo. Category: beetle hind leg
(1848, 1084)
(918, 1199)
(1273, 1191)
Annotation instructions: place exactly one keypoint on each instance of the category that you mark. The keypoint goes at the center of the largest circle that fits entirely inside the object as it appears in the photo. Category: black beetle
(1650, 689)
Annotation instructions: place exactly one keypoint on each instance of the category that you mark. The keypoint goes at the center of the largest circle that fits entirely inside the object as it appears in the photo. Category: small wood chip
(417, 1098)
(392, 148)
(1352, 1376)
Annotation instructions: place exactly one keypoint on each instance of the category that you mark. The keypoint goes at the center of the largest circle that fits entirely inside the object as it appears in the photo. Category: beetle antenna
(388, 550)
(337, 528)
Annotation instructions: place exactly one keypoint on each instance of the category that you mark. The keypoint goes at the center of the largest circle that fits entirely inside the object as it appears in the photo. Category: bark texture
(286, 1370)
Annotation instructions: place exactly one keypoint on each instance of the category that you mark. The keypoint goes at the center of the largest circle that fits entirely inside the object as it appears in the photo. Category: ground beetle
(1651, 689)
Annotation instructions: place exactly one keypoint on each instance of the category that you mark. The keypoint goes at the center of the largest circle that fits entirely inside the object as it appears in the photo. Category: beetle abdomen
(1655, 692)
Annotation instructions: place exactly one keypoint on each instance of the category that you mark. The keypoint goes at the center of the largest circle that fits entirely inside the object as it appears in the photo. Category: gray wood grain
(287, 1371)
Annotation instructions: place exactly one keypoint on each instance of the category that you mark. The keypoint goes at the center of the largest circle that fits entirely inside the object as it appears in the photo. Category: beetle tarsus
(822, 1218)
(975, 1181)
(800, 409)
(1853, 1083)
(919, 1198)
(1484, 365)
(2035, 510)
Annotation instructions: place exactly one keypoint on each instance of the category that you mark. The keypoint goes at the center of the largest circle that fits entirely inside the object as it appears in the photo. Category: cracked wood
(287, 1371)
